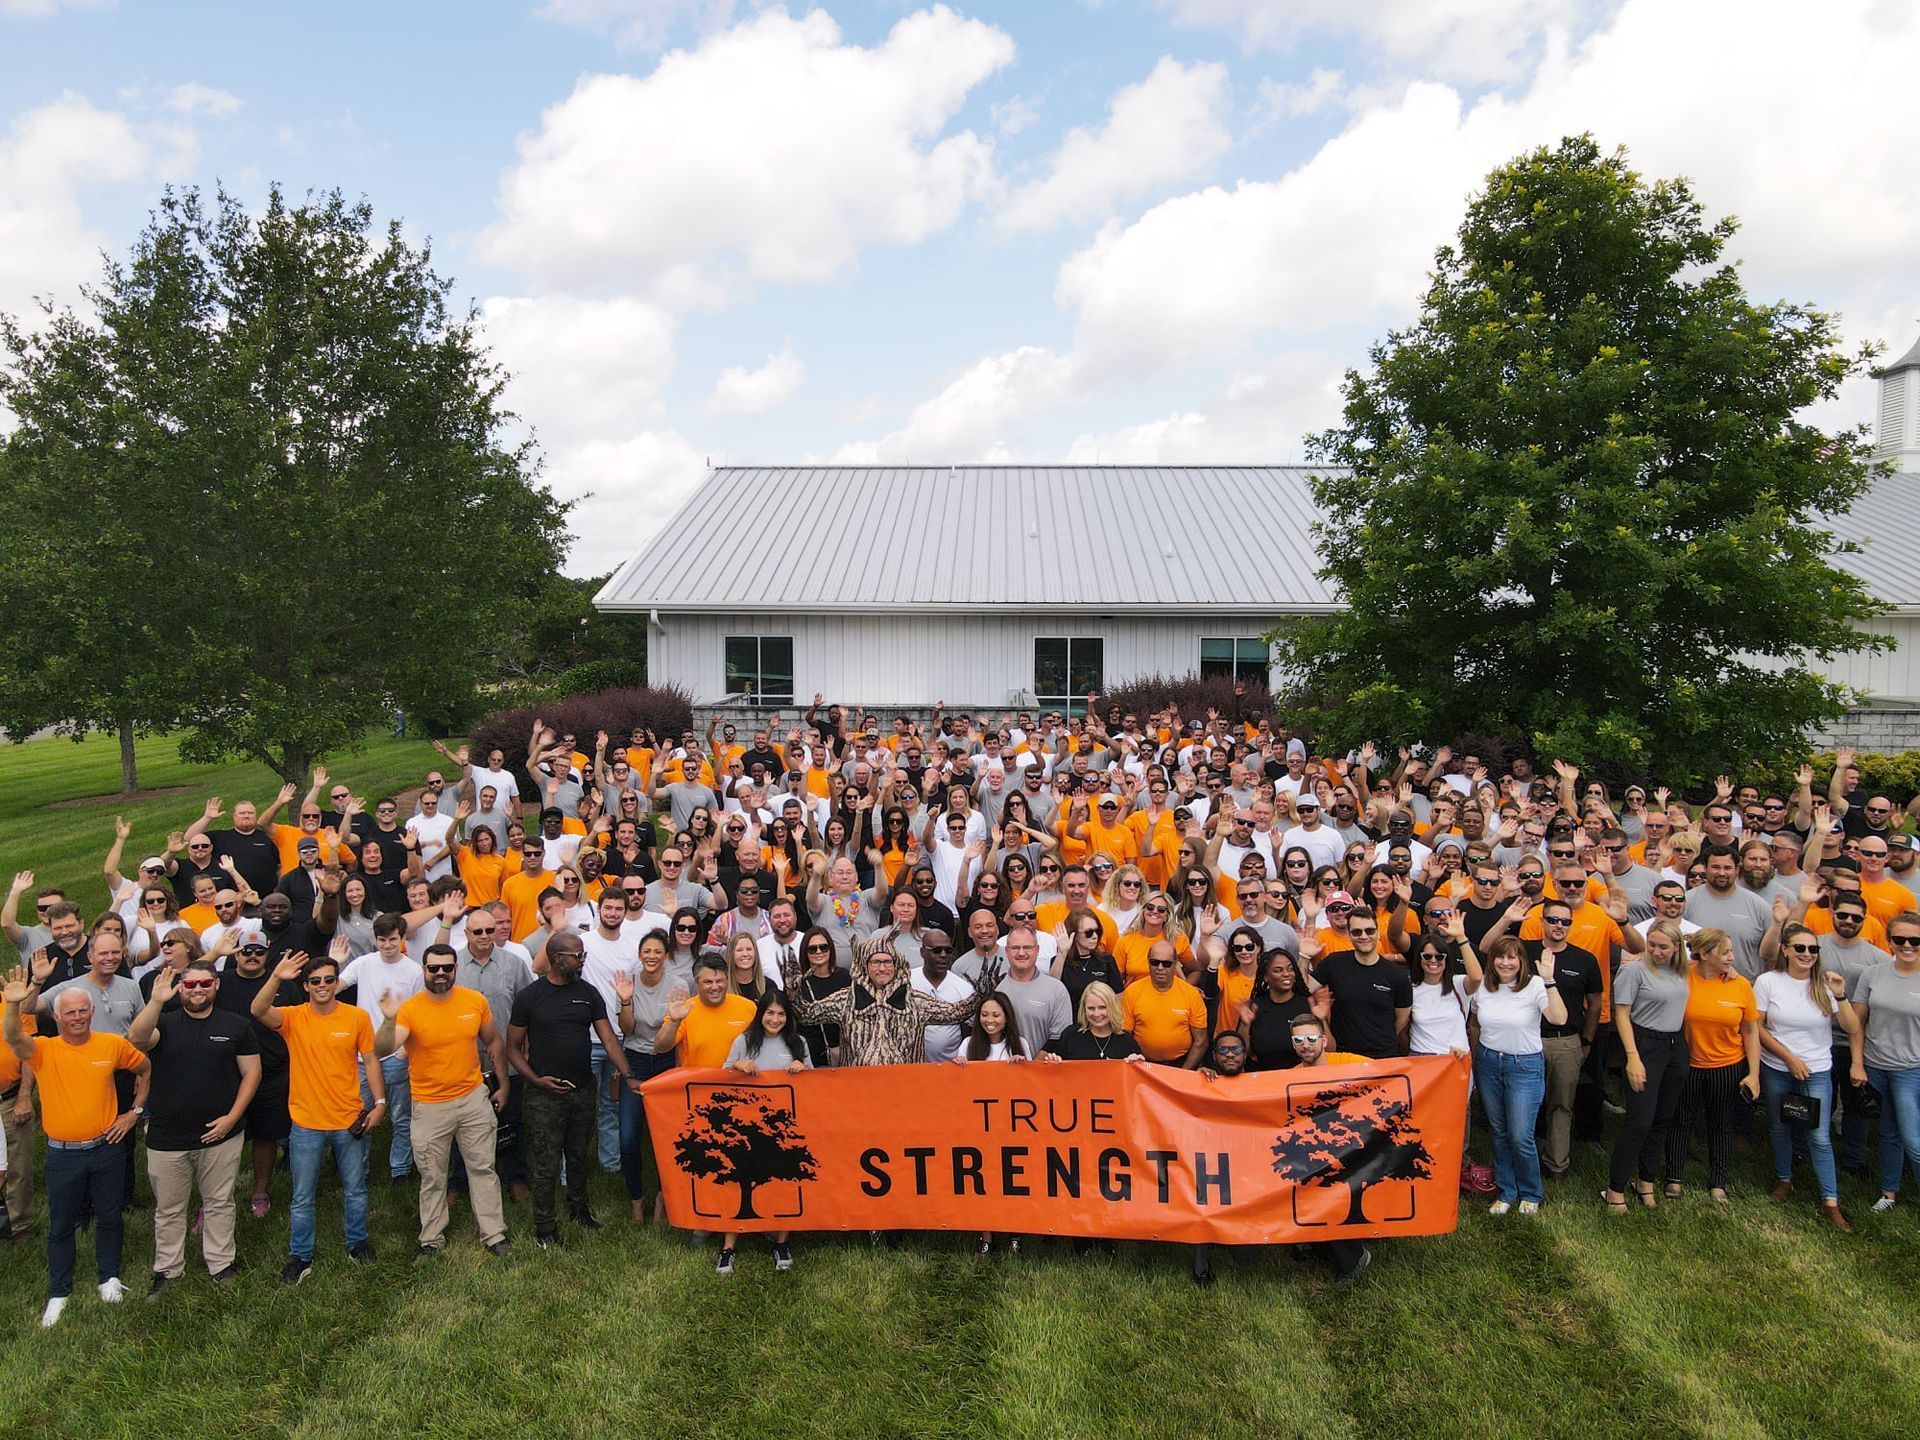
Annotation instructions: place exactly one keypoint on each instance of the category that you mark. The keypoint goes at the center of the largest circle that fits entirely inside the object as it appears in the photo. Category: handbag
(1800, 1111)
(1863, 1100)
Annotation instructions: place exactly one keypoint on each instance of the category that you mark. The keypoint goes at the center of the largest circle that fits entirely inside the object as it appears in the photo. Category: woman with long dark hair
(765, 1047)
(820, 978)
(995, 1035)
(643, 998)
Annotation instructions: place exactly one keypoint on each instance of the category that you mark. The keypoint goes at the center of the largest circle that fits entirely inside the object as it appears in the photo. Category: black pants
(73, 1178)
(1716, 1097)
(559, 1126)
(1854, 1126)
(1650, 1133)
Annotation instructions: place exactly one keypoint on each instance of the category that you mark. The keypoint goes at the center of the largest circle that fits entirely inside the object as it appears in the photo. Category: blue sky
(1131, 230)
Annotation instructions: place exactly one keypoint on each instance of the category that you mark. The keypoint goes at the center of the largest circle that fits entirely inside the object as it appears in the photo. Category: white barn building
(1003, 586)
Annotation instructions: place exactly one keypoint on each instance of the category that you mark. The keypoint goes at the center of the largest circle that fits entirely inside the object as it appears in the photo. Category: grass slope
(1686, 1321)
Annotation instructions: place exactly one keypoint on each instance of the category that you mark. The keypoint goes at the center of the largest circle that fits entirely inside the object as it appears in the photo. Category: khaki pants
(174, 1174)
(1556, 1115)
(436, 1127)
(22, 1141)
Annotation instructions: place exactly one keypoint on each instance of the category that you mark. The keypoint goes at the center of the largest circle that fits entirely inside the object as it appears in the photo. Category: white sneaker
(1883, 1204)
(50, 1316)
(112, 1292)
(1498, 1207)
(1529, 1207)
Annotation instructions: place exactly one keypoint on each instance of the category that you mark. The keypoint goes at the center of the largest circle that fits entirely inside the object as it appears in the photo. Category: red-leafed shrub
(664, 711)
(1194, 694)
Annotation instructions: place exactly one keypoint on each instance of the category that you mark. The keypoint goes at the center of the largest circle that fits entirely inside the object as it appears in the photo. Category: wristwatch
(138, 1110)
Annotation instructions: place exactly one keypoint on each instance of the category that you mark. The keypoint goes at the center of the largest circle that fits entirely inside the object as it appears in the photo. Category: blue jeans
(1775, 1085)
(1512, 1089)
(1899, 1123)
(606, 1127)
(393, 1070)
(304, 1149)
(633, 1120)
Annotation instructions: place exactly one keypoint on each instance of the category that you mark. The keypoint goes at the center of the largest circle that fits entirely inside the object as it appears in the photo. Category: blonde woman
(744, 973)
(1799, 1006)
(1154, 922)
(1723, 1041)
(1126, 888)
(1649, 1016)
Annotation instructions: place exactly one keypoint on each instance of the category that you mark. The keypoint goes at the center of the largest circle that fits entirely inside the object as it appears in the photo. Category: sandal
(1719, 1196)
(1618, 1206)
(1675, 1189)
(1644, 1189)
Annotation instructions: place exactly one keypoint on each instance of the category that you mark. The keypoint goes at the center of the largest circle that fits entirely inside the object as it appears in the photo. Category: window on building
(1238, 658)
(760, 669)
(1065, 669)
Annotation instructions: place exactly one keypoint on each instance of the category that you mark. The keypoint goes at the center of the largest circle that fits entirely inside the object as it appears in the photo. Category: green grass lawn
(1689, 1320)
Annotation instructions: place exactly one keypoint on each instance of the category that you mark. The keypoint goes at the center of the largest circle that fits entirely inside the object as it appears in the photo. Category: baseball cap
(1339, 897)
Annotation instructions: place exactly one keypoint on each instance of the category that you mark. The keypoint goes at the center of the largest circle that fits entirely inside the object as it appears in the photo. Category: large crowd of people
(472, 985)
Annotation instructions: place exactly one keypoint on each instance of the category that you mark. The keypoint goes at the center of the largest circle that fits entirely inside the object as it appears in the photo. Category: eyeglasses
(1353, 934)
(197, 984)
(442, 969)
(323, 980)
(1556, 919)
(924, 949)
(569, 882)
(1243, 946)
(1130, 884)
(1196, 880)
(688, 928)
(156, 900)
(1532, 875)
(1313, 1039)
(1804, 949)
(1904, 942)
(1154, 909)
(481, 933)
(1159, 964)
(1613, 849)
(181, 943)
(1023, 914)
(1093, 934)
(817, 949)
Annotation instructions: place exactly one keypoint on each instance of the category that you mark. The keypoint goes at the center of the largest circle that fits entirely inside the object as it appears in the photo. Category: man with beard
(439, 1029)
(284, 929)
(1721, 904)
(934, 976)
(206, 1068)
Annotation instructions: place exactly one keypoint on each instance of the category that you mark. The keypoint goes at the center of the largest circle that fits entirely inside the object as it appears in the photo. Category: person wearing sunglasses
(440, 1029)
(1886, 1001)
(1372, 996)
(1799, 1007)
(206, 1070)
(328, 1043)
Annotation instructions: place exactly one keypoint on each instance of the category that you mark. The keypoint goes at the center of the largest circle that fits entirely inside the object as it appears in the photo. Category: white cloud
(1262, 416)
(974, 416)
(1288, 100)
(1167, 127)
(581, 367)
(50, 158)
(741, 391)
(1010, 117)
(1347, 237)
(773, 153)
(1469, 40)
(194, 98)
(38, 9)
(627, 490)
(638, 24)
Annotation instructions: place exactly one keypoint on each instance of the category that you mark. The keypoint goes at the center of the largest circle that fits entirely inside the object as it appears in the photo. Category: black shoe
(725, 1265)
(427, 1253)
(500, 1246)
(550, 1240)
(226, 1276)
(295, 1270)
(1347, 1277)
(584, 1219)
(160, 1282)
(1202, 1273)
(362, 1253)
(782, 1258)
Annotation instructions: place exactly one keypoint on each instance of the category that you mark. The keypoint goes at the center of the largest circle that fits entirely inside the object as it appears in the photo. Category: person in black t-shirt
(206, 1068)
(267, 1122)
(1577, 974)
(1266, 1018)
(249, 844)
(1372, 997)
(550, 1042)
(1096, 1035)
(1483, 905)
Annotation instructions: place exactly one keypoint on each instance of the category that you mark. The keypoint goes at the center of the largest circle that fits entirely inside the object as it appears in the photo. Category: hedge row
(664, 711)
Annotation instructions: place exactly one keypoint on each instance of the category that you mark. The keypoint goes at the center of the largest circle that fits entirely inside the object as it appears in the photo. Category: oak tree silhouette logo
(745, 1138)
(1357, 1135)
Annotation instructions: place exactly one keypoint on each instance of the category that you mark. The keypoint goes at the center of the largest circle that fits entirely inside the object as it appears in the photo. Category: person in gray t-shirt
(1891, 1001)
(114, 1005)
(1722, 903)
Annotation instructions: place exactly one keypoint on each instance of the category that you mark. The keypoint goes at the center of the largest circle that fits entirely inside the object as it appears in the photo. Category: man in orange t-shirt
(701, 1029)
(328, 1045)
(1166, 1015)
(451, 1105)
(86, 1131)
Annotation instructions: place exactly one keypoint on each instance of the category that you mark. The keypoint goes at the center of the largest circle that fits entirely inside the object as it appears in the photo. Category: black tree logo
(745, 1138)
(1355, 1135)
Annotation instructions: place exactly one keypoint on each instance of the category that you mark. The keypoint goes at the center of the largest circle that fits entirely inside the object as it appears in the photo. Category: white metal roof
(1057, 537)
(987, 537)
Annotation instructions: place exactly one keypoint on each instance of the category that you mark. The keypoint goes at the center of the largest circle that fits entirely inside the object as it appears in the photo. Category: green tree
(1579, 500)
(288, 416)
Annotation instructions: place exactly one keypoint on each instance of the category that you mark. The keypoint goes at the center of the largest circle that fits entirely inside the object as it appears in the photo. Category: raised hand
(176, 841)
(1781, 910)
(319, 777)
(287, 792)
(41, 964)
(679, 1003)
(1723, 788)
(290, 966)
(17, 987)
(622, 984)
(22, 882)
(341, 949)
(389, 1004)
(164, 984)
(121, 829)
(212, 810)
(1803, 777)
(1543, 967)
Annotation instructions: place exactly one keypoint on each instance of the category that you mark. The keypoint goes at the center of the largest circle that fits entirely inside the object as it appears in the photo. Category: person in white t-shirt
(1321, 841)
(388, 971)
(1798, 1009)
(1510, 1066)
(612, 948)
(430, 833)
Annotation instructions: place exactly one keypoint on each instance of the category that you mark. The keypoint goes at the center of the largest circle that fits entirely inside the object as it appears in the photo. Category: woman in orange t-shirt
(482, 867)
(1723, 1036)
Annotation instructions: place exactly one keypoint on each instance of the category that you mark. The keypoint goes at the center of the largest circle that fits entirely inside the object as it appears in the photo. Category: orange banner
(1095, 1148)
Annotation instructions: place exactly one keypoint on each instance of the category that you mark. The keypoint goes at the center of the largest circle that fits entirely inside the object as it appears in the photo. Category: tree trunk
(129, 772)
(746, 1210)
(1356, 1214)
